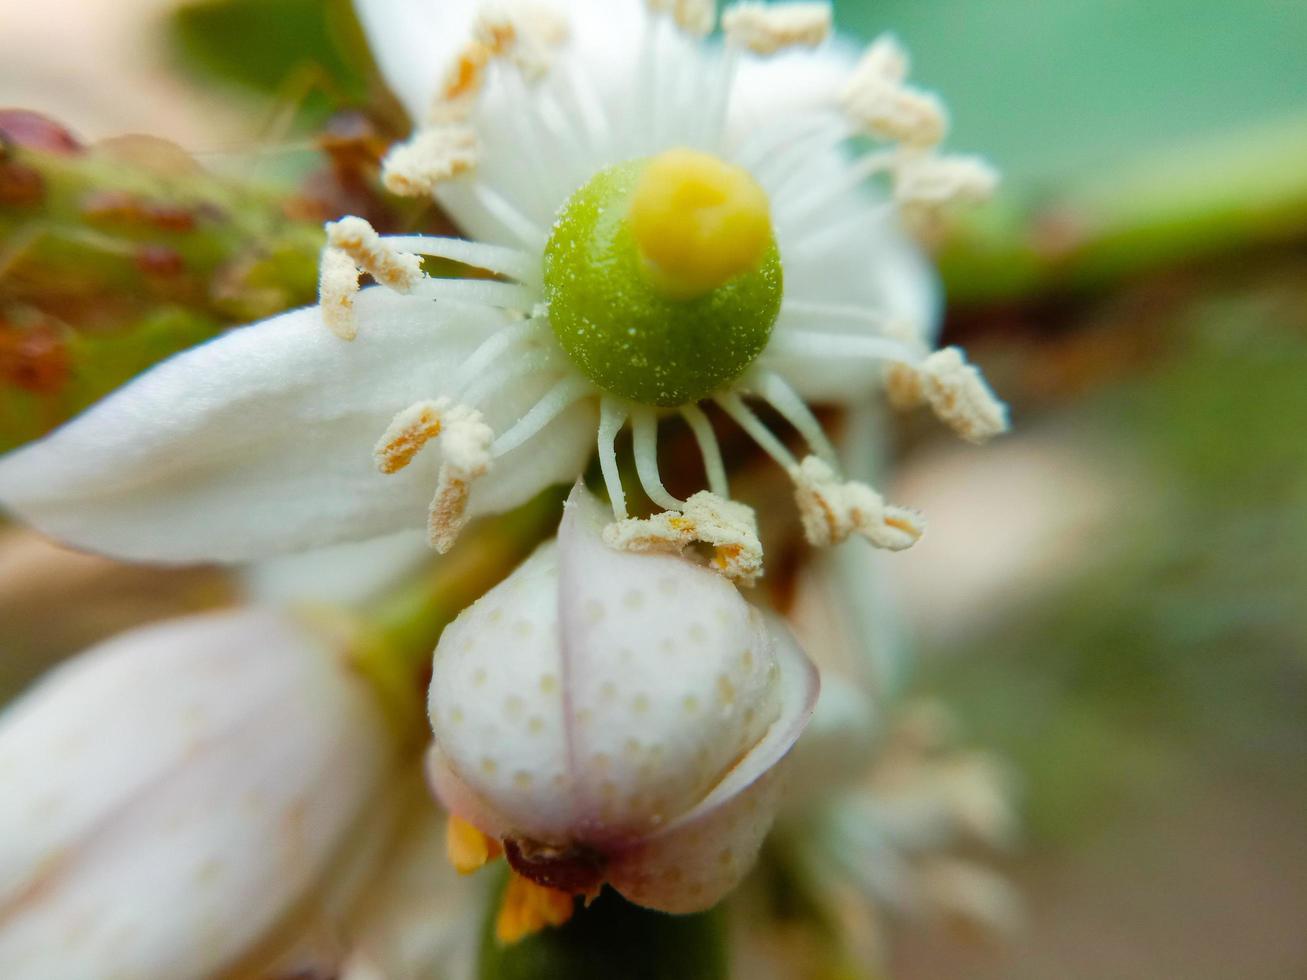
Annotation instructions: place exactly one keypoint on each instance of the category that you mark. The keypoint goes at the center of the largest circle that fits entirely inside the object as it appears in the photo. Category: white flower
(180, 800)
(619, 718)
(671, 221)
(343, 575)
(897, 838)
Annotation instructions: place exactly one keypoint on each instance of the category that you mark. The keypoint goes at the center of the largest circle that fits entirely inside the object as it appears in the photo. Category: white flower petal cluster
(613, 717)
(613, 713)
(258, 443)
(183, 796)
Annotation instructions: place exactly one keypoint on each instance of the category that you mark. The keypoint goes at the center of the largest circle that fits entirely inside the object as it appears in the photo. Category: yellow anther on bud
(698, 222)
(526, 908)
(467, 848)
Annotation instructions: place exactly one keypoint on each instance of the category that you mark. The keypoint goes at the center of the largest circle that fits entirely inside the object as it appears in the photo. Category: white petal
(871, 265)
(794, 83)
(603, 696)
(677, 675)
(496, 706)
(414, 43)
(419, 919)
(874, 268)
(703, 855)
(837, 747)
(535, 160)
(174, 793)
(260, 442)
(343, 574)
(696, 867)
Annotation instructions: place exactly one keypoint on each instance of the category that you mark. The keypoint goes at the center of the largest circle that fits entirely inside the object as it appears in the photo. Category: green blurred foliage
(1178, 648)
(309, 50)
(1063, 91)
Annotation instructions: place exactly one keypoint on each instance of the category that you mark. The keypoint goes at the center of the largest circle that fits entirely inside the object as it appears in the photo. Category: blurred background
(1115, 596)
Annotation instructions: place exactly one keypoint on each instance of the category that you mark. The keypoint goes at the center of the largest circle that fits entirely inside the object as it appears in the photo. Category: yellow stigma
(698, 222)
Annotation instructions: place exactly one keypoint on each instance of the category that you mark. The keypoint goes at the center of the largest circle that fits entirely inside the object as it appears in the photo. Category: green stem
(1198, 203)
(611, 938)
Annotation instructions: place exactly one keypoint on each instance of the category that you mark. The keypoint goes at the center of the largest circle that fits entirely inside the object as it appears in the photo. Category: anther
(695, 17)
(338, 284)
(928, 182)
(956, 391)
(728, 526)
(433, 155)
(767, 28)
(525, 34)
(465, 441)
(833, 509)
(400, 271)
(877, 99)
(467, 848)
(526, 908)
(407, 433)
(465, 456)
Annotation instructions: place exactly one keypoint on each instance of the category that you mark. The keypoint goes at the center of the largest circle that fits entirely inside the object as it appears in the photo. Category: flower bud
(617, 717)
(175, 798)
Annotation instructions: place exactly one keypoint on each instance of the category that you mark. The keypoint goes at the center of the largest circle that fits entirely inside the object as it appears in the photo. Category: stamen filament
(822, 194)
(820, 236)
(498, 259)
(764, 144)
(644, 429)
(687, 90)
(721, 84)
(493, 347)
(515, 222)
(519, 367)
(527, 142)
(590, 109)
(568, 135)
(612, 416)
(734, 406)
(552, 404)
(780, 396)
(792, 160)
(810, 309)
(829, 346)
(643, 94)
(709, 449)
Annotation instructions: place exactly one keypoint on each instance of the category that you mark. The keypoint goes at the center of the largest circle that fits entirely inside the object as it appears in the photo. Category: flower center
(663, 278)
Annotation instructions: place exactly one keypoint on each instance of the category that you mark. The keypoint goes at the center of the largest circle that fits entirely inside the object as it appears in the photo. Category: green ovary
(647, 330)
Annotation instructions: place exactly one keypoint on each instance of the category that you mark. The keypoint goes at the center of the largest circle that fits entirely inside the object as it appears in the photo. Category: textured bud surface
(669, 678)
(174, 795)
(628, 708)
(496, 697)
